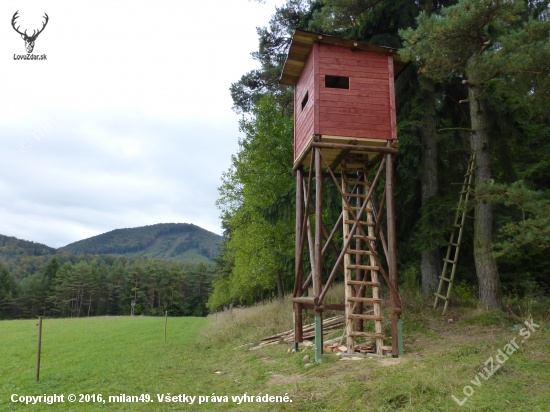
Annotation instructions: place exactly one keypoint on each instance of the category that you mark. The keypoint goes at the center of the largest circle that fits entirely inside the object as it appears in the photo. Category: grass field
(124, 355)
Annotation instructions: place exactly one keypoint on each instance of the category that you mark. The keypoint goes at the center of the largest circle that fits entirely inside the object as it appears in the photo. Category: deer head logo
(29, 40)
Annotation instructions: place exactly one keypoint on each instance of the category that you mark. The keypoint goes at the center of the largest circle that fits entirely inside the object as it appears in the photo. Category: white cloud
(128, 122)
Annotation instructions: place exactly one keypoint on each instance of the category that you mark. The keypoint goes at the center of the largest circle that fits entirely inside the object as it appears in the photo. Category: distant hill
(182, 242)
(12, 248)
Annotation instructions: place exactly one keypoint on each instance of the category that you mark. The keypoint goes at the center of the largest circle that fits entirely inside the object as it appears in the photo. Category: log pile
(329, 324)
(332, 345)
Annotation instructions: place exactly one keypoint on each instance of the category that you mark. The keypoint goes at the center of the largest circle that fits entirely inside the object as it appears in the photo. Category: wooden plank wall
(304, 119)
(363, 110)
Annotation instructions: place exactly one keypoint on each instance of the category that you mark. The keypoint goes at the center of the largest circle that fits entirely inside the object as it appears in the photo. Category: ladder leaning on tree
(454, 242)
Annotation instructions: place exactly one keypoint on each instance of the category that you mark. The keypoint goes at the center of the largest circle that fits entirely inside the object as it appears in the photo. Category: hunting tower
(345, 131)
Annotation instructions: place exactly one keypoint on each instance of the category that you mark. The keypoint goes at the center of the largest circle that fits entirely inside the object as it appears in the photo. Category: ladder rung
(363, 283)
(365, 300)
(367, 334)
(364, 317)
(444, 278)
(359, 252)
(363, 267)
(355, 195)
(464, 191)
(351, 222)
(453, 244)
(457, 226)
(440, 296)
(364, 237)
(367, 209)
(449, 261)
(356, 182)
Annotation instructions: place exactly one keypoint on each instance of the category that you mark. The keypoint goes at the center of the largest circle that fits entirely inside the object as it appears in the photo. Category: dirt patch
(390, 361)
(268, 361)
(284, 379)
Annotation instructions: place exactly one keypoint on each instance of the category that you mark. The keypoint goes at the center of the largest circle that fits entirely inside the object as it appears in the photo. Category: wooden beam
(325, 306)
(306, 300)
(298, 237)
(306, 216)
(298, 324)
(317, 275)
(350, 147)
(392, 253)
(339, 159)
(317, 279)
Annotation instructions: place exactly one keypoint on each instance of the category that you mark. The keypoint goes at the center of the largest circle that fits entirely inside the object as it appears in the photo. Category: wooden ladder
(356, 268)
(458, 225)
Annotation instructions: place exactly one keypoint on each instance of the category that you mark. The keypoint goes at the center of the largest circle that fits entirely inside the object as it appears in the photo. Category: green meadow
(127, 355)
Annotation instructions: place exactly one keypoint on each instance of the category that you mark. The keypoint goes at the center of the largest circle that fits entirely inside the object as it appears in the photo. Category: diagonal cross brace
(354, 227)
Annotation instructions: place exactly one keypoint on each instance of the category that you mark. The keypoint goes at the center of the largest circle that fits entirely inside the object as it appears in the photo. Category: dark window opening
(304, 100)
(337, 82)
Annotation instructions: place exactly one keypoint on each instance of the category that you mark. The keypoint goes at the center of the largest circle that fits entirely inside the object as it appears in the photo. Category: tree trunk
(280, 287)
(486, 267)
(430, 264)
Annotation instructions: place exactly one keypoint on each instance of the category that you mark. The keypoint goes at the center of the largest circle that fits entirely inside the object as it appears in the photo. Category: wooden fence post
(39, 348)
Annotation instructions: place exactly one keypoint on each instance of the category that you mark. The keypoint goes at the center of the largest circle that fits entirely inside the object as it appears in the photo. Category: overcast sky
(128, 122)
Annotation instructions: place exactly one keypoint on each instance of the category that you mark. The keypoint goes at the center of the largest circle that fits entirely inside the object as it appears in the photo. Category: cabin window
(337, 82)
(304, 100)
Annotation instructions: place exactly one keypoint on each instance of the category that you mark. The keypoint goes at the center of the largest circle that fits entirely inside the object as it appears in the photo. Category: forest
(478, 80)
(165, 267)
(92, 285)
(174, 241)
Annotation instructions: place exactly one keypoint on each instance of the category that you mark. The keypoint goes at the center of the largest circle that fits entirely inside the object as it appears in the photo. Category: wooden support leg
(317, 284)
(298, 257)
(392, 253)
(298, 325)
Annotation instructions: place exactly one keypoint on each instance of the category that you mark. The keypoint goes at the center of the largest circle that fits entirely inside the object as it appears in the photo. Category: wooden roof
(302, 43)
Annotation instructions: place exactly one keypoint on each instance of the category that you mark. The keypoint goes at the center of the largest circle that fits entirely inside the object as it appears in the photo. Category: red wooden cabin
(344, 92)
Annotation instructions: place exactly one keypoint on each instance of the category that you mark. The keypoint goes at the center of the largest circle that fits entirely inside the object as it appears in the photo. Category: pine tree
(470, 39)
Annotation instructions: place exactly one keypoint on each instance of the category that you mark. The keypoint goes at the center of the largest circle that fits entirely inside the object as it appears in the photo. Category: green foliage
(466, 293)
(105, 285)
(259, 223)
(11, 248)
(373, 21)
(504, 43)
(410, 278)
(174, 241)
(273, 44)
(529, 234)
(484, 40)
(443, 44)
(8, 292)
